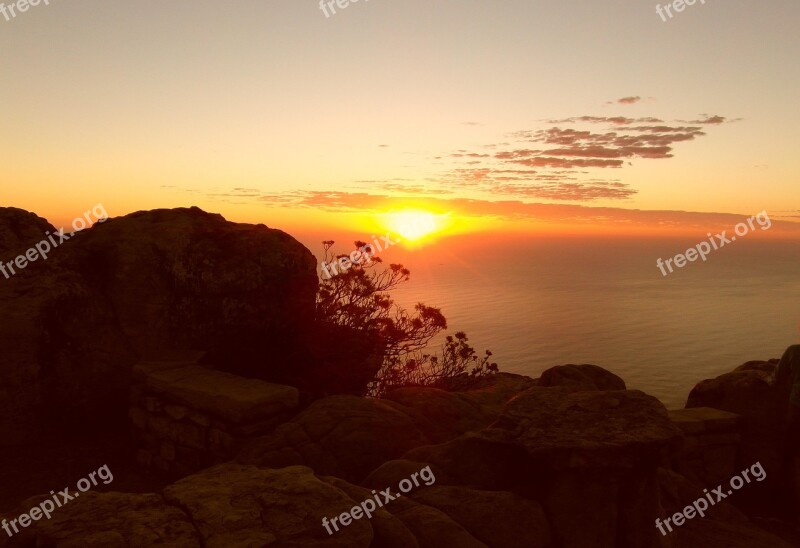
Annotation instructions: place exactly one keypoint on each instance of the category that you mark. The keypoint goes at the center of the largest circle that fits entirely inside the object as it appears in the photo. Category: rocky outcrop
(722, 526)
(348, 436)
(343, 436)
(19, 230)
(762, 409)
(237, 505)
(515, 520)
(108, 520)
(595, 478)
(555, 467)
(711, 445)
(160, 284)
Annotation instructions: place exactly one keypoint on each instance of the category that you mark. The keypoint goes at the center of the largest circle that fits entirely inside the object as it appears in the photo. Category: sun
(413, 225)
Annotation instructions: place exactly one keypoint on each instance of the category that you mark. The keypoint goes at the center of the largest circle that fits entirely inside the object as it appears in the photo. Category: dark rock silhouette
(550, 467)
(153, 284)
(763, 410)
(581, 377)
(19, 230)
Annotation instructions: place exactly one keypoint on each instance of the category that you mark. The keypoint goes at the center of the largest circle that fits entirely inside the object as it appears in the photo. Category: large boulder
(405, 523)
(349, 437)
(163, 284)
(723, 526)
(581, 377)
(343, 436)
(763, 410)
(589, 458)
(496, 518)
(389, 531)
(444, 414)
(107, 520)
(238, 505)
(19, 230)
(184, 279)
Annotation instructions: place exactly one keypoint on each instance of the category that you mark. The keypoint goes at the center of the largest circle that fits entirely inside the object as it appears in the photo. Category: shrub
(358, 298)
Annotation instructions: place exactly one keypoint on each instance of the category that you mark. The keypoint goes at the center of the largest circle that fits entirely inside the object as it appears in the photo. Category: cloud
(414, 189)
(616, 120)
(555, 214)
(626, 100)
(569, 145)
(559, 163)
(714, 120)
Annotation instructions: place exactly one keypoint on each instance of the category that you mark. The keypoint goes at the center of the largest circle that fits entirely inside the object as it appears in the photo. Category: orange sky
(521, 117)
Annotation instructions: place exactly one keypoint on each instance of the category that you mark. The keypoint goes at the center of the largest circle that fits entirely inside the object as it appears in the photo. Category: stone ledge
(697, 420)
(234, 399)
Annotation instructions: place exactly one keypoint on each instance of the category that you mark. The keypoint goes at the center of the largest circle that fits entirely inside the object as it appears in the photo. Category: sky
(523, 116)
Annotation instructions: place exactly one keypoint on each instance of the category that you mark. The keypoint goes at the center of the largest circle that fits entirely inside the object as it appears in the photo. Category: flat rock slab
(235, 399)
(615, 428)
(707, 419)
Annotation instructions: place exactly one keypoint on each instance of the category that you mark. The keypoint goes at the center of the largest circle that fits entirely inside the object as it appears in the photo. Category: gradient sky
(267, 111)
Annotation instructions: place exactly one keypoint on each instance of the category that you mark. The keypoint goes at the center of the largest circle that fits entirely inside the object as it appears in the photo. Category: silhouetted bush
(357, 297)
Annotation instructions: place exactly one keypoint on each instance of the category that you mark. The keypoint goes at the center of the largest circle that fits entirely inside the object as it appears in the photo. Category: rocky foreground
(572, 459)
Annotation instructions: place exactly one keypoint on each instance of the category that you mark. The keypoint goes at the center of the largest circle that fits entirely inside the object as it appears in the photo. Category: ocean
(537, 302)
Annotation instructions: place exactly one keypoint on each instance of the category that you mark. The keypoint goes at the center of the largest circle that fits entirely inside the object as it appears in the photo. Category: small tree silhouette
(357, 297)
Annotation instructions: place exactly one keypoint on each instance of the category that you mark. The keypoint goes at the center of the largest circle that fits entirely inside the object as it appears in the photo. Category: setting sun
(413, 225)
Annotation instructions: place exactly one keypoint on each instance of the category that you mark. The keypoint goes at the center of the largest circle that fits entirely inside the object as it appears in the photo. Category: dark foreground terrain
(182, 351)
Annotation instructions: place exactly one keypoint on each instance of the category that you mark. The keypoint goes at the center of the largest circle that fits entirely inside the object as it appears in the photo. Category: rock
(514, 521)
(763, 409)
(163, 284)
(703, 420)
(744, 391)
(187, 280)
(723, 526)
(581, 377)
(390, 532)
(403, 522)
(722, 534)
(387, 473)
(495, 390)
(611, 428)
(343, 436)
(676, 492)
(759, 365)
(239, 505)
(110, 520)
(441, 415)
(434, 529)
(19, 231)
(220, 394)
(590, 460)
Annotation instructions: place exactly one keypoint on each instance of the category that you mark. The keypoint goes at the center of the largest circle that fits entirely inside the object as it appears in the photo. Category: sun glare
(413, 225)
